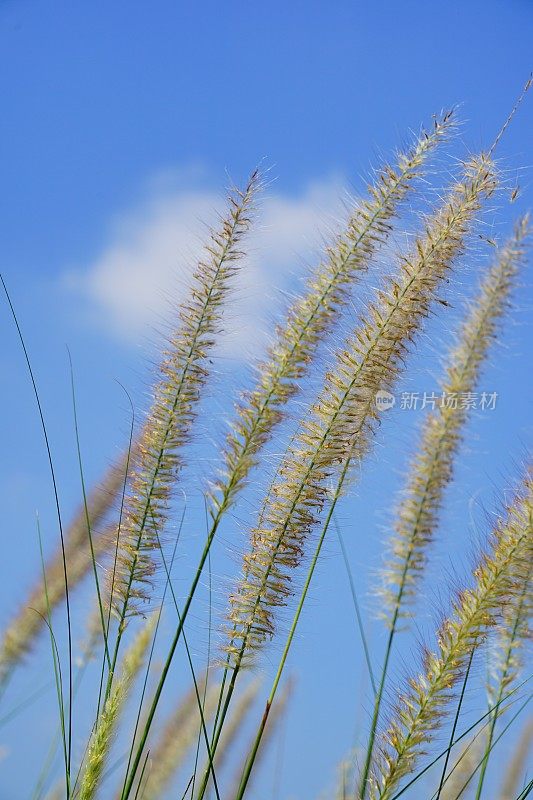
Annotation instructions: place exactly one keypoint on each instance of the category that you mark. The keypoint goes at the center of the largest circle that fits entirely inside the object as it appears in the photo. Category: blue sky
(121, 122)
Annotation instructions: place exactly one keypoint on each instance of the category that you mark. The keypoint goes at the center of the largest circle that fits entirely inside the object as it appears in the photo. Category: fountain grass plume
(108, 719)
(338, 428)
(432, 467)
(314, 313)
(178, 735)
(420, 710)
(21, 632)
(184, 372)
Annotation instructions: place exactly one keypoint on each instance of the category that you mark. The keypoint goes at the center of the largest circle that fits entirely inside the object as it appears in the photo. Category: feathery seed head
(21, 632)
(337, 431)
(432, 468)
(498, 583)
(179, 734)
(511, 635)
(167, 428)
(314, 313)
(106, 725)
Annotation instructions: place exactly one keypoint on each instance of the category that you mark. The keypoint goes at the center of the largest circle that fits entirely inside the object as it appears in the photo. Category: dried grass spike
(21, 632)
(179, 734)
(106, 725)
(420, 710)
(338, 429)
(184, 372)
(432, 468)
(313, 314)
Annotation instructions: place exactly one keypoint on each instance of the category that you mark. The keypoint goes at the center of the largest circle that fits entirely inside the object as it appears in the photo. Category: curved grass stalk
(512, 633)
(106, 725)
(495, 741)
(275, 718)
(307, 322)
(358, 615)
(455, 723)
(88, 652)
(243, 706)
(498, 578)
(517, 766)
(21, 632)
(338, 430)
(58, 680)
(465, 762)
(176, 739)
(4, 677)
(432, 469)
(184, 372)
(23, 629)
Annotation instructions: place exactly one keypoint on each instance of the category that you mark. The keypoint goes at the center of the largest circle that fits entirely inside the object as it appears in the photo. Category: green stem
(358, 615)
(290, 637)
(503, 680)
(494, 743)
(151, 713)
(437, 758)
(454, 726)
(147, 508)
(86, 511)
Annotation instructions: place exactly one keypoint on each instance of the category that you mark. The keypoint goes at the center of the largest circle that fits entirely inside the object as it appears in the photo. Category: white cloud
(143, 269)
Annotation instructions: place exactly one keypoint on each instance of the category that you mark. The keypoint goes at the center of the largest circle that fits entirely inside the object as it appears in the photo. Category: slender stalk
(432, 469)
(358, 615)
(519, 628)
(57, 666)
(526, 791)
(105, 728)
(260, 732)
(87, 515)
(184, 371)
(242, 707)
(59, 521)
(275, 715)
(493, 745)
(338, 429)
(152, 648)
(421, 708)
(307, 321)
(467, 758)
(454, 726)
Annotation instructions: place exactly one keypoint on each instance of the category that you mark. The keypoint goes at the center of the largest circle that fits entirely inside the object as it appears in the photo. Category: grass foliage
(146, 740)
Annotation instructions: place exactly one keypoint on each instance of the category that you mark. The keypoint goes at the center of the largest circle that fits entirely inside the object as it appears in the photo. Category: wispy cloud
(144, 267)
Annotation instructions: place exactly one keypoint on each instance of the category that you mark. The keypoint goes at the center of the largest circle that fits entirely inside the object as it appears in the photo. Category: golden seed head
(338, 428)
